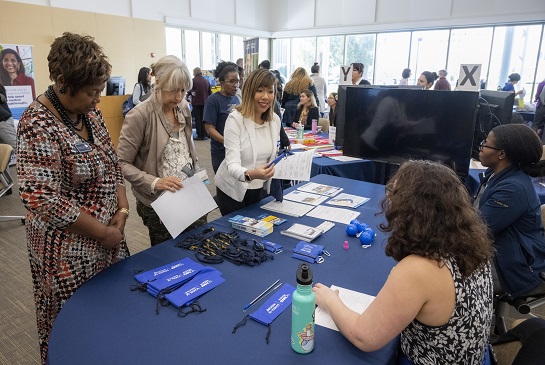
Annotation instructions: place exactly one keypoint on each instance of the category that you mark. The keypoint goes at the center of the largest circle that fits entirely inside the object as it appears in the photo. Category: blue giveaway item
(154, 274)
(203, 282)
(271, 309)
(274, 306)
(175, 279)
(367, 237)
(309, 252)
(271, 246)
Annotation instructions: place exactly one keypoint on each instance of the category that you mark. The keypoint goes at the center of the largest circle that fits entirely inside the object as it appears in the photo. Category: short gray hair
(171, 74)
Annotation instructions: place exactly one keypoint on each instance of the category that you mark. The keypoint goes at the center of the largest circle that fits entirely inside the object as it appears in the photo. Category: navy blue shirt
(216, 110)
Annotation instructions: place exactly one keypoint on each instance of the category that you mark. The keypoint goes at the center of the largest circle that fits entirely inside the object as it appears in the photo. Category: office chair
(6, 182)
(523, 304)
(324, 123)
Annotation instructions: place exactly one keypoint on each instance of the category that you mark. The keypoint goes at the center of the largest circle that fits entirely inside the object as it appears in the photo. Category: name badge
(83, 147)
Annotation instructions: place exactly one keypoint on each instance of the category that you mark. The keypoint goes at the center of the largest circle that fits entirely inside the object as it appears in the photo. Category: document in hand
(295, 167)
(172, 207)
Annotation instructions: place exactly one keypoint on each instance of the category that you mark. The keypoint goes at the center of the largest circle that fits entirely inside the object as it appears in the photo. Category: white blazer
(241, 154)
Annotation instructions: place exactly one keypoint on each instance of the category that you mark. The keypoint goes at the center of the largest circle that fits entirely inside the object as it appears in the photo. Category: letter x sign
(470, 77)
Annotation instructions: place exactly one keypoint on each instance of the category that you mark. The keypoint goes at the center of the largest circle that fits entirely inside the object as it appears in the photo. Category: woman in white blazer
(251, 136)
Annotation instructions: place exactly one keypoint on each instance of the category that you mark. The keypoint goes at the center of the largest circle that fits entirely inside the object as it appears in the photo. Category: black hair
(358, 66)
(223, 68)
(406, 73)
(514, 77)
(522, 147)
(430, 76)
(266, 64)
(315, 68)
(143, 76)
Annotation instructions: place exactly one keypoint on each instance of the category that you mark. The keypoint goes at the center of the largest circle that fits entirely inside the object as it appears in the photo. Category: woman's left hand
(324, 295)
(118, 221)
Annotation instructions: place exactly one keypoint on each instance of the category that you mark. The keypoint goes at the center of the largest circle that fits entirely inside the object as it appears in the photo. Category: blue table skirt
(106, 323)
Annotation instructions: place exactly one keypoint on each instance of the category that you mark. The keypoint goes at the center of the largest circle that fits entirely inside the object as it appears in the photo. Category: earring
(62, 89)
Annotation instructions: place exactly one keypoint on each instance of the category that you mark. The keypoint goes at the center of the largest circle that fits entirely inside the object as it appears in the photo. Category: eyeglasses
(232, 82)
(482, 145)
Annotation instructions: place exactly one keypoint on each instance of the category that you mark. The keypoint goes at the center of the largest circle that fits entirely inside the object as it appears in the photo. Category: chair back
(324, 123)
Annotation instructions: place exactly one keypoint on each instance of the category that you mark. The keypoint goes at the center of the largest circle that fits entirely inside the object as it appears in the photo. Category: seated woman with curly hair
(439, 295)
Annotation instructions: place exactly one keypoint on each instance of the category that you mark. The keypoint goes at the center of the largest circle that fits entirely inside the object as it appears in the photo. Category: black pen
(260, 295)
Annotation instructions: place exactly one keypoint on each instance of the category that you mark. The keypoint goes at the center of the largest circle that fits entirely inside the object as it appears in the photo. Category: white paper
(178, 210)
(345, 158)
(297, 146)
(288, 208)
(340, 215)
(304, 197)
(356, 301)
(294, 167)
(321, 189)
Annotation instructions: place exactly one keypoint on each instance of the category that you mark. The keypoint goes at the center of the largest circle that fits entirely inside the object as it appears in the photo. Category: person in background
(12, 72)
(266, 64)
(299, 82)
(514, 78)
(405, 76)
(332, 102)
(306, 111)
(70, 180)
(251, 136)
(357, 74)
(539, 118)
(427, 79)
(442, 277)
(442, 83)
(320, 84)
(199, 94)
(217, 108)
(143, 86)
(509, 205)
(7, 126)
(240, 63)
(238, 93)
(156, 148)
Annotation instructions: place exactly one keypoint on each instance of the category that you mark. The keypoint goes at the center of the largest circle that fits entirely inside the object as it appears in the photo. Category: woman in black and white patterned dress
(439, 295)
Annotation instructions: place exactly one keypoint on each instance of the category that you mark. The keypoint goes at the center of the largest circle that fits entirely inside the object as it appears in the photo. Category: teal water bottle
(302, 312)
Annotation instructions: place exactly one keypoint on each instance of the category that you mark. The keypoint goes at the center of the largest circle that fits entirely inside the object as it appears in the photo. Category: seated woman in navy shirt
(510, 206)
(306, 110)
(514, 78)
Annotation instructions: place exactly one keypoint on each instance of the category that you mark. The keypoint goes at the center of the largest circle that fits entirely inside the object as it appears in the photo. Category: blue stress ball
(367, 236)
(355, 221)
(362, 227)
(352, 230)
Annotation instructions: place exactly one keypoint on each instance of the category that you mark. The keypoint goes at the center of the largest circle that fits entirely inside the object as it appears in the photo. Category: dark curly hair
(429, 214)
(522, 147)
(79, 60)
(223, 68)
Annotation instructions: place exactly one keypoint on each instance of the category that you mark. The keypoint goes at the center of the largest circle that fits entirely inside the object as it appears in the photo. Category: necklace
(53, 98)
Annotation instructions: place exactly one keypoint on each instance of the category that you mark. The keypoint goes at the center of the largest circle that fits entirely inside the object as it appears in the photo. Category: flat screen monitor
(115, 85)
(495, 108)
(395, 125)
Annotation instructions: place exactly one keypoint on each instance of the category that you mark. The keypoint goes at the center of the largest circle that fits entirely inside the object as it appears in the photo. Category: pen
(260, 295)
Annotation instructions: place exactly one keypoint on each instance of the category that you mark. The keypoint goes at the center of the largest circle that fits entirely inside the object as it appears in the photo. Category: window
(224, 48)
(208, 49)
(281, 57)
(191, 46)
(514, 49)
(174, 42)
(361, 48)
(428, 52)
(330, 57)
(392, 57)
(238, 48)
(303, 53)
(468, 46)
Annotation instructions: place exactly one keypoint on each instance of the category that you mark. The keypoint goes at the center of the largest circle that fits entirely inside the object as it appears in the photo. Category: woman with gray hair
(155, 148)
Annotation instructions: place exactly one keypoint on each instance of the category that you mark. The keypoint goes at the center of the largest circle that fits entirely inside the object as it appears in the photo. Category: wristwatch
(247, 176)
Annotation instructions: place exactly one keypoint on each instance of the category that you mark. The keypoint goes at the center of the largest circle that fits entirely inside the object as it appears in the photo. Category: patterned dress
(56, 181)
(462, 340)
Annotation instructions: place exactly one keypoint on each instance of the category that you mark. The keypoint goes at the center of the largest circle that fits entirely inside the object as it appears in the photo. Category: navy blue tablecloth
(363, 170)
(105, 322)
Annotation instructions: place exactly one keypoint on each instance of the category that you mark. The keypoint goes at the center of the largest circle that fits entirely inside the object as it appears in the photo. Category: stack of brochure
(302, 232)
(251, 225)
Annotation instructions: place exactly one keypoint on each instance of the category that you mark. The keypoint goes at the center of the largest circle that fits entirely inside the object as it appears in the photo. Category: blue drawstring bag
(309, 252)
(203, 282)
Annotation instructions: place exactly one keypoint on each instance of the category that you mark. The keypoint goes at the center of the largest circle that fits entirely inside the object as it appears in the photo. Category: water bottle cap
(304, 275)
